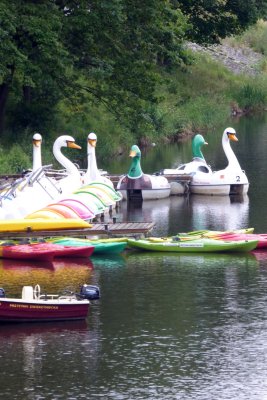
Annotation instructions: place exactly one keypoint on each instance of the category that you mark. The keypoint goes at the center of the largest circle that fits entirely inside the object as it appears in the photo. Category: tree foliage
(108, 51)
(212, 20)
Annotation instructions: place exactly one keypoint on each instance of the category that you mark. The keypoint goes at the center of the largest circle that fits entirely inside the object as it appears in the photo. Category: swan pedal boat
(33, 306)
(100, 246)
(43, 251)
(230, 180)
(199, 245)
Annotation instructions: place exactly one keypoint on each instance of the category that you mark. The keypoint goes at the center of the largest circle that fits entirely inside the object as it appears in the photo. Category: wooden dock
(105, 229)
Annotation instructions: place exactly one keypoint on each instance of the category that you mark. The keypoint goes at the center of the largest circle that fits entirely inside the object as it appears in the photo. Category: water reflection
(219, 212)
(53, 277)
(181, 214)
(108, 261)
(205, 261)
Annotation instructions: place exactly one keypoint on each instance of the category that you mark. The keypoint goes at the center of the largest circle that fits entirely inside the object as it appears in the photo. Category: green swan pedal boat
(200, 245)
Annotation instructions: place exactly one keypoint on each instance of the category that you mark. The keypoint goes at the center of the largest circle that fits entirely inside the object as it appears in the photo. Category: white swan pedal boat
(33, 306)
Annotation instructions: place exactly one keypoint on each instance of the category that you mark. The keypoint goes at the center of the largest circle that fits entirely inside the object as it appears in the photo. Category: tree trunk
(4, 89)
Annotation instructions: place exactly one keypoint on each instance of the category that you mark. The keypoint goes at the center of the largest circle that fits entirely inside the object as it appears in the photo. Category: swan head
(135, 151)
(92, 139)
(66, 141)
(230, 133)
(37, 140)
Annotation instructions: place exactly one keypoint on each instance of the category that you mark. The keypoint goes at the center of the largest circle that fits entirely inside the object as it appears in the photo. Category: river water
(167, 326)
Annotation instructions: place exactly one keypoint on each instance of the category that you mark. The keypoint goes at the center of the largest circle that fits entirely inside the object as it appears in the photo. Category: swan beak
(232, 137)
(73, 145)
(205, 142)
(92, 142)
(132, 153)
(36, 143)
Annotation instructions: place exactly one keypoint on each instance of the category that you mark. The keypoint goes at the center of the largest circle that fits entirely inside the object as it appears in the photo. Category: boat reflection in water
(108, 261)
(186, 213)
(53, 277)
(23, 330)
(193, 261)
(219, 212)
(166, 214)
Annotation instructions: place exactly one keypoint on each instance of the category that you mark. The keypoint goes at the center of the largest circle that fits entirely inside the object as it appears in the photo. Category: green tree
(32, 57)
(91, 51)
(213, 20)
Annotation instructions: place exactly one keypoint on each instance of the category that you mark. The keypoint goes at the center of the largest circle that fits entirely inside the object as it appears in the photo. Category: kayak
(43, 251)
(261, 237)
(203, 245)
(100, 247)
(42, 224)
(210, 233)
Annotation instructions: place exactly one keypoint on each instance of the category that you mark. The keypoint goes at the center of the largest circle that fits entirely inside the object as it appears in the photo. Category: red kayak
(261, 237)
(44, 251)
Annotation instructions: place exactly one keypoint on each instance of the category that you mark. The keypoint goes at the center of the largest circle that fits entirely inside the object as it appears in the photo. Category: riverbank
(223, 81)
(239, 60)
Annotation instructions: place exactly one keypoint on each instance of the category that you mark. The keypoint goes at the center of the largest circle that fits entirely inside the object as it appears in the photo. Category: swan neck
(230, 155)
(92, 172)
(37, 161)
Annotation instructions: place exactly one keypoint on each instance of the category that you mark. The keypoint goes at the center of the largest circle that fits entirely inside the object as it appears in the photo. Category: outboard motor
(89, 292)
(2, 293)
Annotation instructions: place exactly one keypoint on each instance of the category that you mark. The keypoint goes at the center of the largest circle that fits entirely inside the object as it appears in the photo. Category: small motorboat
(43, 251)
(34, 306)
(199, 245)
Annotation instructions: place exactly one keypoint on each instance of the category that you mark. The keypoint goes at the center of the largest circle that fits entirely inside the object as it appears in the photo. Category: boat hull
(218, 189)
(41, 311)
(194, 246)
(149, 194)
(44, 251)
(100, 247)
(20, 225)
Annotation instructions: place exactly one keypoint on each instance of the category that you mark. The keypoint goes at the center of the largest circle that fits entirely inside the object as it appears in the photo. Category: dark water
(167, 326)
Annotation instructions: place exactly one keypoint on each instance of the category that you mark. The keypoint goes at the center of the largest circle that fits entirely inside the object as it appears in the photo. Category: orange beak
(92, 142)
(73, 145)
(233, 137)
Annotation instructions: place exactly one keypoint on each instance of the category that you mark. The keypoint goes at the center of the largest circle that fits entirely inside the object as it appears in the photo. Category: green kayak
(100, 247)
(202, 245)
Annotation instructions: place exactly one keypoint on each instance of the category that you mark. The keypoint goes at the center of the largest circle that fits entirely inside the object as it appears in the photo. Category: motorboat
(35, 306)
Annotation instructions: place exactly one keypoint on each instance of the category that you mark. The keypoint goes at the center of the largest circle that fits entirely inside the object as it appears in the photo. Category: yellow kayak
(42, 224)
